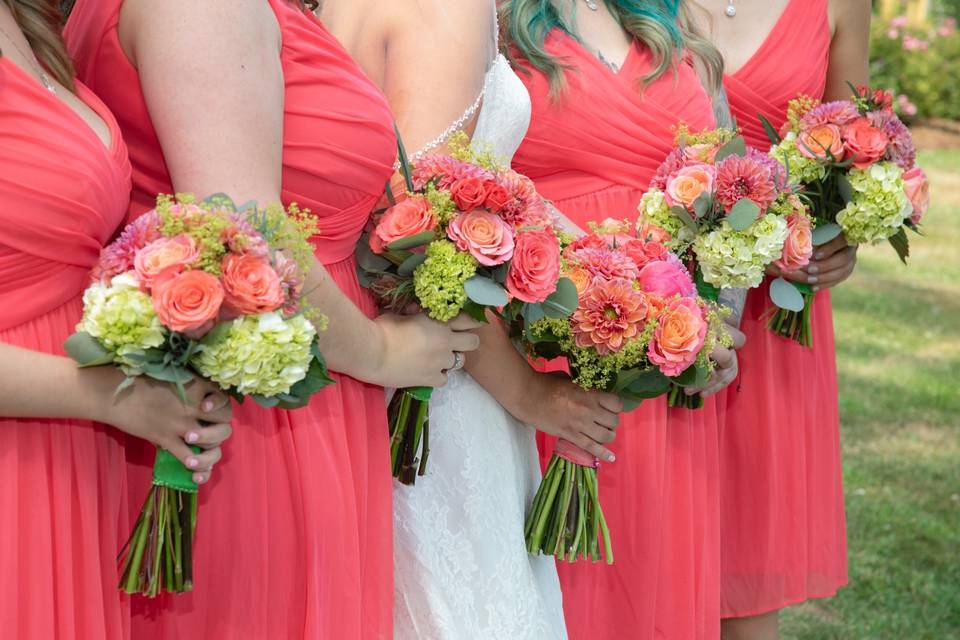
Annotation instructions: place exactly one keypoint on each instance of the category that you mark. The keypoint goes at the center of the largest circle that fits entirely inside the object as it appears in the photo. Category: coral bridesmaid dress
(294, 533)
(63, 495)
(783, 527)
(593, 154)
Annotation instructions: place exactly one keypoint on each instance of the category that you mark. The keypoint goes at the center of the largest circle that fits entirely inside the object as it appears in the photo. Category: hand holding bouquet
(857, 163)
(200, 289)
(638, 327)
(469, 236)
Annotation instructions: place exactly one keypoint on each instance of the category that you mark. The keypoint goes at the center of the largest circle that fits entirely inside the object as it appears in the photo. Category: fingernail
(198, 478)
(192, 437)
(812, 279)
(813, 269)
(817, 288)
(207, 405)
(818, 255)
(193, 463)
(611, 458)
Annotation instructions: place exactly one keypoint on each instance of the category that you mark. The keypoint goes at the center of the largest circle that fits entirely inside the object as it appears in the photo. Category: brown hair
(41, 23)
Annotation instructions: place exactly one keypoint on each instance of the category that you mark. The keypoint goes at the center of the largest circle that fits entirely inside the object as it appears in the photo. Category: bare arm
(215, 95)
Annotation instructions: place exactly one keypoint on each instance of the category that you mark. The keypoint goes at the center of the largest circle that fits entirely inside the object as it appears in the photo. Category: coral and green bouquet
(639, 328)
(468, 236)
(857, 164)
(200, 290)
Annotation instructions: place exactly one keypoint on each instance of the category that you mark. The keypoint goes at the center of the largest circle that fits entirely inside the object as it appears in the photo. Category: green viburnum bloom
(655, 211)
(259, 355)
(737, 259)
(438, 282)
(879, 205)
(121, 317)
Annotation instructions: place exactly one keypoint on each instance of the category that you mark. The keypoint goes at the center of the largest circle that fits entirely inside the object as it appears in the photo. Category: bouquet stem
(566, 519)
(409, 415)
(677, 398)
(159, 554)
(795, 325)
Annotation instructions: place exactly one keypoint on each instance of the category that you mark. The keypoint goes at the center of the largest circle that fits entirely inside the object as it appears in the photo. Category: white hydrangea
(654, 210)
(879, 205)
(121, 317)
(737, 259)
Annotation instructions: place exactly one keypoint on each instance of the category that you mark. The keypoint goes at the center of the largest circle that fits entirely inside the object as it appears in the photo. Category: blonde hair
(41, 23)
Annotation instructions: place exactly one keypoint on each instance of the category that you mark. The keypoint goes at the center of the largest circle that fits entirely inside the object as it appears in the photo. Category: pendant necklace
(731, 10)
(591, 4)
(32, 59)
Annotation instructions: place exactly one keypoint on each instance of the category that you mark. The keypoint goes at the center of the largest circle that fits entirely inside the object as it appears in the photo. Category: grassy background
(898, 354)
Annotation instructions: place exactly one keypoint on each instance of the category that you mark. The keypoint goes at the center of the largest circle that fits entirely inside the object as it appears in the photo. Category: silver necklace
(731, 10)
(592, 5)
(32, 59)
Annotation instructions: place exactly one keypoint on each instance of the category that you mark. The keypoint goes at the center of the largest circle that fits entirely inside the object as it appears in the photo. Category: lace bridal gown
(461, 567)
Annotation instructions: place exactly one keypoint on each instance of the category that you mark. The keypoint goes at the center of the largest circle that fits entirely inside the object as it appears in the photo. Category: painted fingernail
(193, 463)
(818, 255)
(192, 437)
(199, 478)
(207, 405)
(812, 279)
(813, 269)
(611, 458)
(816, 288)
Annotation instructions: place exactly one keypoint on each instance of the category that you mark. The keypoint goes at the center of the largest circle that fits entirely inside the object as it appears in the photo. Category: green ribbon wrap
(170, 472)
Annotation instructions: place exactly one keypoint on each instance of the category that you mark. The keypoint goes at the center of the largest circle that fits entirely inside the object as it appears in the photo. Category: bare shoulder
(849, 15)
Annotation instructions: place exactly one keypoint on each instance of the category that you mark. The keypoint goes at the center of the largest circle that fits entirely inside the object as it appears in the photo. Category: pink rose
(799, 244)
(188, 302)
(591, 241)
(250, 284)
(822, 142)
(468, 193)
(679, 336)
(689, 182)
(404, 219)
(666, 278)
(643, 253)
(484, 235)
(918, 190)
(174, 253)
(865, 142)
(535, 267)
(701, 153)
(497, 197)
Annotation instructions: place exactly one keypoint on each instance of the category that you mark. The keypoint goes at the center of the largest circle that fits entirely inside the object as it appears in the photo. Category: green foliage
(920, 63)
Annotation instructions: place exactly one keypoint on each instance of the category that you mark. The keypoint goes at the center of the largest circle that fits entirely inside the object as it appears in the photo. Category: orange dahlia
(609, 314)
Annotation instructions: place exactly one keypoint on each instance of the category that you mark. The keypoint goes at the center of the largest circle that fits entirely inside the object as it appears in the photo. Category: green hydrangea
(438, 281)
(258, 355)
(800, 167)
(654, 210)
(737, 259)
(121, 317)
(879, 205)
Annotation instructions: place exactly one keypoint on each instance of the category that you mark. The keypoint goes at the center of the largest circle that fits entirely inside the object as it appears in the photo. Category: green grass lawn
(898, 354)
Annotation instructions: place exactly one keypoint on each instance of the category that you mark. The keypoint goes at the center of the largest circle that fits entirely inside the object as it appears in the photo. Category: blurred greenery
(898, 354)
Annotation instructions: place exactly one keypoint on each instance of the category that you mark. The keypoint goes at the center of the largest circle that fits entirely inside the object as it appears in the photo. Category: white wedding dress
(461, 567)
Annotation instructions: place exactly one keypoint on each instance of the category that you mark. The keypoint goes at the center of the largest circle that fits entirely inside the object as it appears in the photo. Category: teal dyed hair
(663, 26)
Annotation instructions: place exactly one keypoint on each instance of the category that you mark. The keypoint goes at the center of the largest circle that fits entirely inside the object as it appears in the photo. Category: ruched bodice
(64, 195)
(338, 138)
(792, 59)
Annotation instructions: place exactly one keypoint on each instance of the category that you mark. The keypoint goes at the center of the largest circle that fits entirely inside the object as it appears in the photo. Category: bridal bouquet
(729, 210)
(209, 290)
(469, 236)
(857, 163)
(639, 328)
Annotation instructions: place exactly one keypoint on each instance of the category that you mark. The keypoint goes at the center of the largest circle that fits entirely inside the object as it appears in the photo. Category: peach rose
(685, 185)
(650, 233)
(188, 302)
(582, 279)
(679, 336)
(497, 197)
(822, 142)
(666, 278)
(864, 142)
(535, 266)
(799, 244)
(404, 219)
(484, 235)
(918, 190)
(250, 284)
(468, 193)
(701, 152)
(174, 253)
(644, 253)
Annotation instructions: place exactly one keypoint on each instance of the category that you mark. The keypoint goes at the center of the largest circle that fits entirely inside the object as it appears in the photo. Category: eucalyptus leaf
(85, 349)
(167, 373)
(844, 188)
(687, 377)
(650, 383)
(562, 302)
(736, 147)
(532, 312)
(476, 311)
(126, 384)
(220, 199)
(367, 259)
(786, 296)
(486, 292)
(703, 205)
(743, 214)
(264, 401)
(408, 266)
(825, 233)
(411, 242)
(684, 215)
(630, 402)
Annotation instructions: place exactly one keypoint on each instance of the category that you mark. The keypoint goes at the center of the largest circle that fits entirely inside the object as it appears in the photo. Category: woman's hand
(831, 264)
(726, 365)
(152, 410)
(415, 351)
(589, 419)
